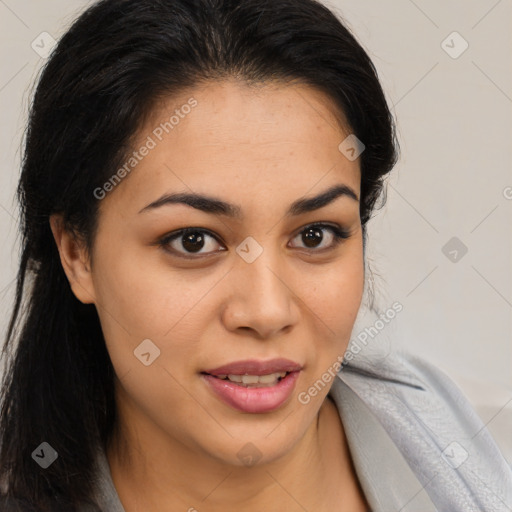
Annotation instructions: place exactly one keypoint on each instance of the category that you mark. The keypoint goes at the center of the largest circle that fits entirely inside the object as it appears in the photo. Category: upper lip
(255, 367)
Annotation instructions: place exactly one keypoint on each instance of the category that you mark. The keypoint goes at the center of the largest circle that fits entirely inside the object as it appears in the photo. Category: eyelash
(339, 235)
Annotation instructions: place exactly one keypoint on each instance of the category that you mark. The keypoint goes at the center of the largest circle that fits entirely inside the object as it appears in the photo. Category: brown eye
(190, 241)
(314, 235)
(193, 242)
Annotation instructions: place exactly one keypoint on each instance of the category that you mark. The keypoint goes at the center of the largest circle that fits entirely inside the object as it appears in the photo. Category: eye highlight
(189, 243)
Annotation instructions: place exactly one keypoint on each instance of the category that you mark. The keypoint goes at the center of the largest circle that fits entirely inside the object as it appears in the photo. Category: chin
(256, 450)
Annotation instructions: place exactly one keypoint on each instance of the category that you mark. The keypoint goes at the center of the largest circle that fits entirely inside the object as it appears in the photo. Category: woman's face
(250, 282)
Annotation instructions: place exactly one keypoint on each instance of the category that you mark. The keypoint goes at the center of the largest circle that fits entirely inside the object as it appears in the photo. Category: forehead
(229, 137)
(265, 100)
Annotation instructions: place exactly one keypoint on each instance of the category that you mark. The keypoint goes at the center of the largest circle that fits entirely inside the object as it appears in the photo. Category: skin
(176, 445)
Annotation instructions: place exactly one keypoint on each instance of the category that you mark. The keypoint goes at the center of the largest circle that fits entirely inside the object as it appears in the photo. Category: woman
(196, 185)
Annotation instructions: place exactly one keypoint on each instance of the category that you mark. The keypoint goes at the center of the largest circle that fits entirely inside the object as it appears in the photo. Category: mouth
(254, 386)
(254, 381)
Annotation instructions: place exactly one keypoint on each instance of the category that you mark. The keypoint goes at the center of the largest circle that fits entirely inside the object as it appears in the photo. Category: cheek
(137, 301)
(334, 299)
(335, 295)
(140, 293)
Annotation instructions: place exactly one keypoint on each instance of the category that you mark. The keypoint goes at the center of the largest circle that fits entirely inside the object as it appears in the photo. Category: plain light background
(453, 110)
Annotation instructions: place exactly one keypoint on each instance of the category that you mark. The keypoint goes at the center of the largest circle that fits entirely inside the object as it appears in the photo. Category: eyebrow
(216, 206)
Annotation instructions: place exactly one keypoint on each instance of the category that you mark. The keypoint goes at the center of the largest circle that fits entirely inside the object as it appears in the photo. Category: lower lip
(253, 399)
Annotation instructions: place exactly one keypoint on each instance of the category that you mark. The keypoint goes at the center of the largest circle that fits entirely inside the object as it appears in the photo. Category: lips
(254, 367)
(254, 395)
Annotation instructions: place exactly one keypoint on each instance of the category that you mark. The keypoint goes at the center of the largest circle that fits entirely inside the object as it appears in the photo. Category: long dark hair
(96, 89)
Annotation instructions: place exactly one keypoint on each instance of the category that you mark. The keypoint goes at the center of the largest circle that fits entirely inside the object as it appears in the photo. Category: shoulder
(433, 425)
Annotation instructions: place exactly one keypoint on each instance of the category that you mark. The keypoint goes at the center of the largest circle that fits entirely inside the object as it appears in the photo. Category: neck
(153, 473)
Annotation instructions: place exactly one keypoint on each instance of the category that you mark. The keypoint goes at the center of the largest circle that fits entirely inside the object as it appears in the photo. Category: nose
(262, 299)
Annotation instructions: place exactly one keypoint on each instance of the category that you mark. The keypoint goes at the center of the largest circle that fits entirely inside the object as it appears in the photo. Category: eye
(196, 242)
(190, 241)
(313, 236)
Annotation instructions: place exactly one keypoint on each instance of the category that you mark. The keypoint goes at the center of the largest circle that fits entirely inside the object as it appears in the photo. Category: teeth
(264, 379)
(247, 380)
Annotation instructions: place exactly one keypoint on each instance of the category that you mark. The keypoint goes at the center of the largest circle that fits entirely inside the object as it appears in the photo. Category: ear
(74, 259)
